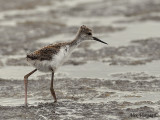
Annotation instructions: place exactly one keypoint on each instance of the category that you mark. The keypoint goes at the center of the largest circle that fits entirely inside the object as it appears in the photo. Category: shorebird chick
(49, 58)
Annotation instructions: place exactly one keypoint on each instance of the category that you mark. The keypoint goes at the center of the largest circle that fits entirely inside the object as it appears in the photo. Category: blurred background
(126, 71)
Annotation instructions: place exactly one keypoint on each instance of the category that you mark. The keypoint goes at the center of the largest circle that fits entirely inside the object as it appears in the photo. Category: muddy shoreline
(82, 98)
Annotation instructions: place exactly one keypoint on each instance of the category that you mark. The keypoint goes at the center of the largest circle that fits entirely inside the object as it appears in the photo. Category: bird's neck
(74, 43)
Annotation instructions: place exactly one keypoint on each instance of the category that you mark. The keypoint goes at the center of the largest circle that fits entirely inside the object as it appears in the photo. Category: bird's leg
(25, 84)
(52, 89)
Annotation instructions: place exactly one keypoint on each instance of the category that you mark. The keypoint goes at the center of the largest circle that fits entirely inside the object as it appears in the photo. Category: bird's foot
(26, 105)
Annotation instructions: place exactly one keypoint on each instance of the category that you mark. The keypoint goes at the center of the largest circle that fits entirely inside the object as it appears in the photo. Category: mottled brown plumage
(47, 52)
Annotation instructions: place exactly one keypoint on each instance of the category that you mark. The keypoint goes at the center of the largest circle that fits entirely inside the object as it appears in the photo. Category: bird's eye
(89, 33)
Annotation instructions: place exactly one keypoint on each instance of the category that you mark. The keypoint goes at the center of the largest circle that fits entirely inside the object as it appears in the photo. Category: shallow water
(90, 70)
(18, 102)
(134, 31)
(131, 97)
(92, 84)
(92, 21)
(57, 38)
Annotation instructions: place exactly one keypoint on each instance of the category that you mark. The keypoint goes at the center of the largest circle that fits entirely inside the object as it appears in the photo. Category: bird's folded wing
(45, 53)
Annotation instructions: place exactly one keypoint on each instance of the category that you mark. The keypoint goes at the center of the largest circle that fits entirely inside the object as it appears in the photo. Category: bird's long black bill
(99, 40)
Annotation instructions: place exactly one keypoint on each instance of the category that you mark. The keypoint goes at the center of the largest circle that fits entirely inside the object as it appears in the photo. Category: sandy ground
(120, 81)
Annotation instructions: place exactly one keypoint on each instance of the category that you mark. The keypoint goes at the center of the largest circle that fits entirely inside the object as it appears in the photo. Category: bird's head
(85, 33)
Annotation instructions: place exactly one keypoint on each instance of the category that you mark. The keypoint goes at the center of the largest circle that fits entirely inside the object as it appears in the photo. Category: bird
(51, 57)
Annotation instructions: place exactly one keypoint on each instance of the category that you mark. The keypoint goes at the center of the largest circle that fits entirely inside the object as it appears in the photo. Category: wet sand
(120, 81)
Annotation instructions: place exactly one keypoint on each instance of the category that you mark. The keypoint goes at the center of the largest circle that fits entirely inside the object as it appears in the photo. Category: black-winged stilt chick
(49, 58)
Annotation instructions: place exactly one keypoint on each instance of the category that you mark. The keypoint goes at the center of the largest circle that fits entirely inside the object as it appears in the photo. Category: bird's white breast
(56, 61)
(60, 57)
